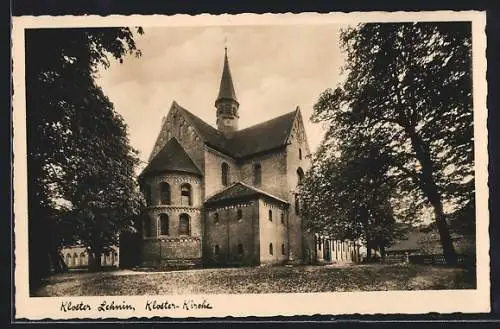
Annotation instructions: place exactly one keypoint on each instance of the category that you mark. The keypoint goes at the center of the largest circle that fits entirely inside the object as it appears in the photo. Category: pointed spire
(226, 90)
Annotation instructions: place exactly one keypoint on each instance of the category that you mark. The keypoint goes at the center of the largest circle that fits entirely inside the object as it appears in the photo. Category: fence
(462, 260)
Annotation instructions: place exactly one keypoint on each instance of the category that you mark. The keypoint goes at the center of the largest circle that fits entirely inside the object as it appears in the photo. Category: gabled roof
(262, 137)
(226, 90)
(172, 157)
(239, 191)
(208, 134)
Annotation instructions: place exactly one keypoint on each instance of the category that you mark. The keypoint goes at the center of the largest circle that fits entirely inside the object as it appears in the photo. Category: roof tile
(172, 157)
(240, 190)
(259, 138)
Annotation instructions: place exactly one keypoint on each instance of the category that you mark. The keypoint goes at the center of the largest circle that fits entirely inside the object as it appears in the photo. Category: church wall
(174, 125)
(175, 180)
(188, 138)
(309, 252)
(274, 232)
(213, 171)
(297, 157)
(229, 232)
(273, 173)
(161, 250)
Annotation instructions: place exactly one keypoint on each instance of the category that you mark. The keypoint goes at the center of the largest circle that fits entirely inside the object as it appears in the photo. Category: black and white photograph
(250, 165)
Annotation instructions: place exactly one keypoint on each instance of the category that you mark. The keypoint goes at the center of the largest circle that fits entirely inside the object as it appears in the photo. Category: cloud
(274, 68)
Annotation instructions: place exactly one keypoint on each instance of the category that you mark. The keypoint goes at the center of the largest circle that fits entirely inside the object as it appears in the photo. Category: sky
(274, 70)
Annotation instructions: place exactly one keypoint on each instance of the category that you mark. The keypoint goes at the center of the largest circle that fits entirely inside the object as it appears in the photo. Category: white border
(392, 302)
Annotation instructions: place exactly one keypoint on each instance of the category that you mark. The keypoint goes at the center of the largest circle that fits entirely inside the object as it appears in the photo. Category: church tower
(226, 103)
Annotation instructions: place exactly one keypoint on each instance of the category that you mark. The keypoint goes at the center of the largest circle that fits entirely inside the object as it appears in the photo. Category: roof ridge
(267, 121)
(297, 113)
(249, 187)
(179, 107)
(172, 142)
(202, 136)
(262, 191)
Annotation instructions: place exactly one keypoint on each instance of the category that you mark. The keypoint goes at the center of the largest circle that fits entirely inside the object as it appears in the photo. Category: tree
(100, 180)
(348, 195)
(61, 99)
(408, 86)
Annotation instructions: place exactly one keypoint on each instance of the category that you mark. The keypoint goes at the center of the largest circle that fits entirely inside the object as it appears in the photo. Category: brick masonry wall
(272, 232)
(300, 243)
(159, 248)
(175, 180)
(229, 232)
(157, 251)
(175, 125)
(213, 171)
(273, 173)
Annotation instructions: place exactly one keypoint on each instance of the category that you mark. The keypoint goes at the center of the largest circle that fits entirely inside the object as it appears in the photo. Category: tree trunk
(368, 251)
(382, 252)
(95, 261)
(430, 190)
(444, 234)
(58, 263)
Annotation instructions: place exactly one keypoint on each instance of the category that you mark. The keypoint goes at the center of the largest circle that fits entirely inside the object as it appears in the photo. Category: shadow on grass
(268, 279)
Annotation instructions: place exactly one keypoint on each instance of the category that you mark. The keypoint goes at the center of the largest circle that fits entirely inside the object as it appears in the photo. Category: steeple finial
(226, 90)
(226, 103)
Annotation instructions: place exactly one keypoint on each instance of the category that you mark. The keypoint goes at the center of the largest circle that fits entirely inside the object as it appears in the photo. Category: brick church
(226, 197)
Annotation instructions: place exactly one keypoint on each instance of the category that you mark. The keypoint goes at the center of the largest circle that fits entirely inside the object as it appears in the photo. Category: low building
(78, 257)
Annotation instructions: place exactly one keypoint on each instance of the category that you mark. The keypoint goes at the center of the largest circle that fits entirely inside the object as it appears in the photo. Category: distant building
(78, 257)
(225, 196)
(410, 245)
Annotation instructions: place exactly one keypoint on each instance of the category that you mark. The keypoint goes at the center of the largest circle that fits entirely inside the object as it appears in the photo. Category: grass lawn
(259, 280)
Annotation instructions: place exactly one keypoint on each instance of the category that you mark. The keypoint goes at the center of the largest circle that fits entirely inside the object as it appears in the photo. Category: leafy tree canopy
(408, 94)
(80, 164)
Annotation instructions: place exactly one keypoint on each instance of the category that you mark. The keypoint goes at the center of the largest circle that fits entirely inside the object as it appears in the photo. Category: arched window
(147, 226)
(282, 248)
(184, 228)
(164, 224)
(257, 170)
(300, 175)
(216, 249)
(300, 154)
(319, 244)
(82, 259)
(225, 174)
(239, 214)
(68, 259)
(270, 249)
(165, 193)
(240, 248)
(186, 195)
(216, 218)
(75, 259)
(147, 194)
(282, 218)
(270, 215)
